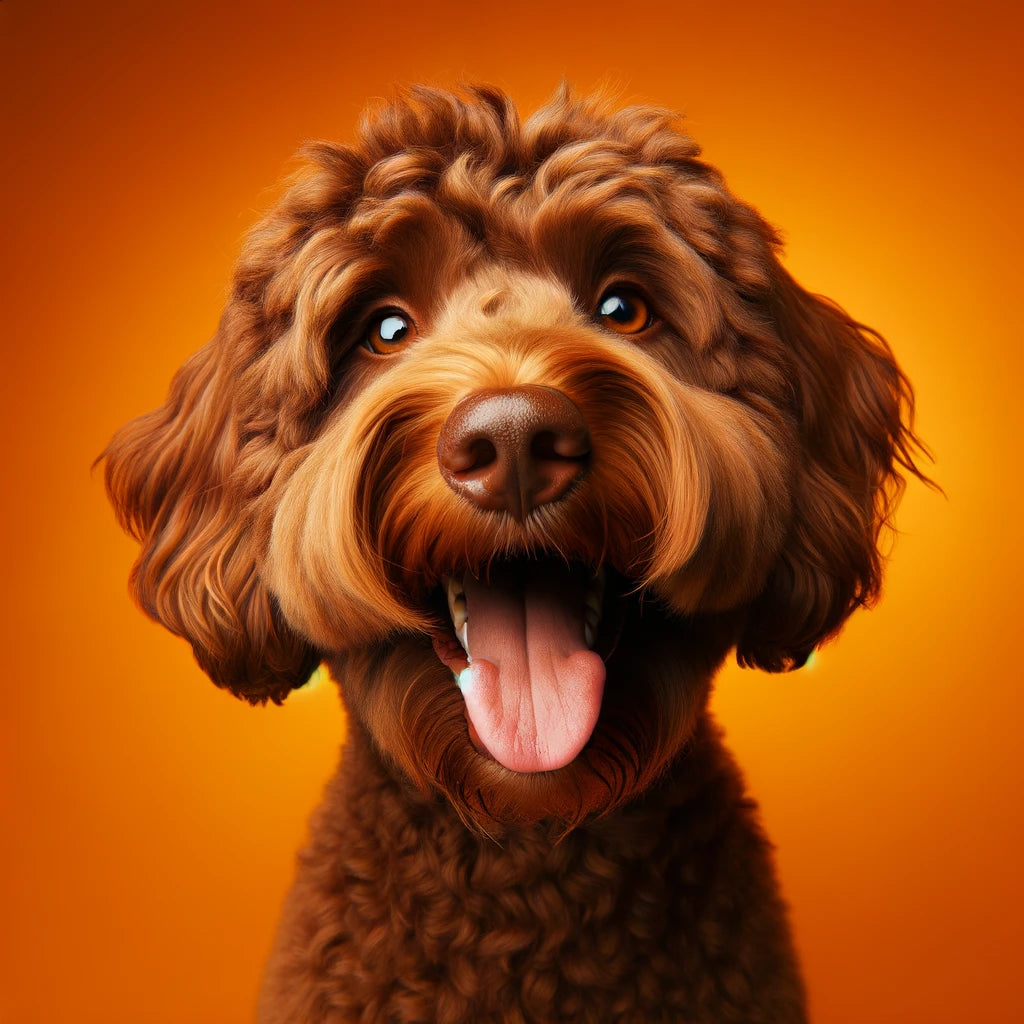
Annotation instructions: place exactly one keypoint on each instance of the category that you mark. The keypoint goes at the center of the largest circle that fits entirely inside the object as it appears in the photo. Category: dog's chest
(578, 925)
(661, 913)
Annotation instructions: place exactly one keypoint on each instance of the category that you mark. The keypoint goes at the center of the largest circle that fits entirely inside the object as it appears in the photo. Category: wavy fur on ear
(180, 485)
(855, 412)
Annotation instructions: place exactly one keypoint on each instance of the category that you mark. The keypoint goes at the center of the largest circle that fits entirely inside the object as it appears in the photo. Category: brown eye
(388, 331)
(624, 311)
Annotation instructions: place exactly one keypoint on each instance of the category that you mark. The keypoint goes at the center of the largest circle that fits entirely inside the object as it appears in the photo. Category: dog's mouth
(521, 645)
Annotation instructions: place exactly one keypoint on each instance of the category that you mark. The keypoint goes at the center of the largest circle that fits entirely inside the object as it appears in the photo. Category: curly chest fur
(666, 911)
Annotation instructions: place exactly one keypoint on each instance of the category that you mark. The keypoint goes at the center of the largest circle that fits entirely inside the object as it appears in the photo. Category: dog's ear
(185, 480)
(855, 408)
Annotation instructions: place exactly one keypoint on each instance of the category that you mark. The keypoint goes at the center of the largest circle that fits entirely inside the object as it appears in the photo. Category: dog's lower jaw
(665, 910)
(657, 681)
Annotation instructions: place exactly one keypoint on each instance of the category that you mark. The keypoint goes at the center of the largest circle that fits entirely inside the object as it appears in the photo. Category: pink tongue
(532, 689)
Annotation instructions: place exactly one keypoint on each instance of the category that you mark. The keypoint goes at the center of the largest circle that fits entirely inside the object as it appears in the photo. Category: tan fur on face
(643, 506)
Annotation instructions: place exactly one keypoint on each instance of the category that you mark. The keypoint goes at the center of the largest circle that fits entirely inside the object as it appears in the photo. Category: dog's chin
(575, 694)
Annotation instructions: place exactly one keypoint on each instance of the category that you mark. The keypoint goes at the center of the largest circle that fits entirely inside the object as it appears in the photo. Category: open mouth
(521, 648)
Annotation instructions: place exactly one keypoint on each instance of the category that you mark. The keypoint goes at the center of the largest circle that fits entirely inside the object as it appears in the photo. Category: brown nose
(515, 449)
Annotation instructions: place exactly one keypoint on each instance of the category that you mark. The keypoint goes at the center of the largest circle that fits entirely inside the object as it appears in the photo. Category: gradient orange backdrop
(150, 821)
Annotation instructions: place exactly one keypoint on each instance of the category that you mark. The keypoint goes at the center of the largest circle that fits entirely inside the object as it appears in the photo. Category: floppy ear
(185, 481)
(855, 409)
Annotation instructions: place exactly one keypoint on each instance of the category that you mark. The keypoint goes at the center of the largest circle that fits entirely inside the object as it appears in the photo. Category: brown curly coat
(737, 452)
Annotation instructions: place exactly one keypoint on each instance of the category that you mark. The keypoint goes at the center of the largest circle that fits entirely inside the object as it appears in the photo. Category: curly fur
(746, 453)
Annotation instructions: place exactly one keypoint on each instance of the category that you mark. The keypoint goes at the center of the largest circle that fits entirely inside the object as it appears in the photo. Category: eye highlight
(388, 331)
(624, 310)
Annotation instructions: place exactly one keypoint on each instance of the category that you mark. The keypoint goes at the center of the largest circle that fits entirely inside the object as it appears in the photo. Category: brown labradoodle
(521, 427)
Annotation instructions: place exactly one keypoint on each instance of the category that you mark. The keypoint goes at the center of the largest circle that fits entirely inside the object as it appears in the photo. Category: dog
(522, 428)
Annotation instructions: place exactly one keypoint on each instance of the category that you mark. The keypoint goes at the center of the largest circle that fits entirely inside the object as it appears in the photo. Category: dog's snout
(514, 449)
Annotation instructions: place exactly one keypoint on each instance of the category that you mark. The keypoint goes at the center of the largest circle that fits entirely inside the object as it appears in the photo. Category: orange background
(150, 821)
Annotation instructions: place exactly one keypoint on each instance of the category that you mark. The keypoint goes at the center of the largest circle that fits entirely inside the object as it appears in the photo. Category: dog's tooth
(462, 634)
(453, 587)
(456, 601)
(588, 634)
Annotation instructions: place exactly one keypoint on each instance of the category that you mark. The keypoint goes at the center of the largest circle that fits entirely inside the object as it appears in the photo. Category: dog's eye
(624, 311)
(388, 331)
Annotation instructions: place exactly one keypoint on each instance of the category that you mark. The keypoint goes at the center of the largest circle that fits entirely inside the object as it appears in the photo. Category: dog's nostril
(515, 449)
(549, 445)
(476, 455)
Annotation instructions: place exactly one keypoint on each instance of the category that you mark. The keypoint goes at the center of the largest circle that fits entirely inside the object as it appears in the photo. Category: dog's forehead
(566, 211)
(482, 252)
(495, 295)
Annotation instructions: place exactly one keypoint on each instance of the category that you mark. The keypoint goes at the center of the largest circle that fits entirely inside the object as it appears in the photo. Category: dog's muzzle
(532, 685)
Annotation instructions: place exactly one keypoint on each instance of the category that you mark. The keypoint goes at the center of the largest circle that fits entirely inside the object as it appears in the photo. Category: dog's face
(521, 427)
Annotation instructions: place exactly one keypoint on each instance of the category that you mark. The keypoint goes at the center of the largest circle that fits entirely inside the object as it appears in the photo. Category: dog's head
(523, 427)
